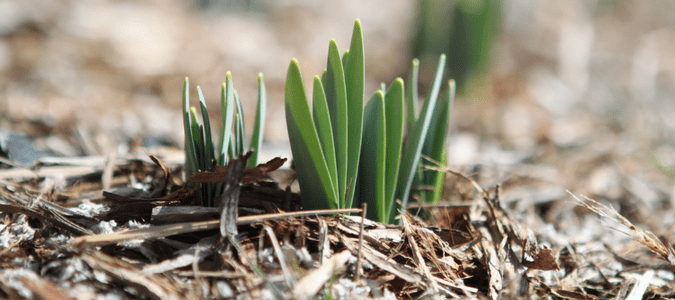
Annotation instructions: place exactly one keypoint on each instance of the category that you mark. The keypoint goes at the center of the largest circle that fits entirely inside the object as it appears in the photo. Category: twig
(364, 207)
(280, 254)
(173, 229)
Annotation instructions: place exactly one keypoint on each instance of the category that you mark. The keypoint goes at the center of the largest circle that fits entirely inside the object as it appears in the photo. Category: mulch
(128, 228)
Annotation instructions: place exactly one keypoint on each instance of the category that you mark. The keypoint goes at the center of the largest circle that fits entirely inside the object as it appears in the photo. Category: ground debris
(141, 243)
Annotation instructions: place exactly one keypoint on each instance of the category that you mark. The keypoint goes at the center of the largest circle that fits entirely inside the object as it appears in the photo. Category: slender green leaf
(324, 128)
(227, 109)
(336, 98)
(310, 163)
(438, 181)
(393, 110)
(259, 125)
(434, 144)
(345, 57)
(190, 152)
(208, 141)
(415, 142)
(323, 81)
(373, 154)
(197, 139)
(412, 96)
(208, 194)
(239, 129)
(354, 68)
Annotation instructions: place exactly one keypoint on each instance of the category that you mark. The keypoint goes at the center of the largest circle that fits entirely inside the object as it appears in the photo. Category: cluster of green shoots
(200, 151)
(344, 154)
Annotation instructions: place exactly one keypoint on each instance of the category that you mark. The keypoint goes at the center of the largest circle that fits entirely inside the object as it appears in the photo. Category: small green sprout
(200, 152)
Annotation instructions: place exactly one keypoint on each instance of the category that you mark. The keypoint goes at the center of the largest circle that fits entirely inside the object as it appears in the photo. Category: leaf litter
(148, 238)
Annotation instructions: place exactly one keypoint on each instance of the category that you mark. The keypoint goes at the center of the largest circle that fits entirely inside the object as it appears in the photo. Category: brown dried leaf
(167, 175)
(545, 259)
(217, 174)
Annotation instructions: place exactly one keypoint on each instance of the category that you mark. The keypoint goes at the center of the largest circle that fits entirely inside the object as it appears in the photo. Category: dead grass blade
(644, 237)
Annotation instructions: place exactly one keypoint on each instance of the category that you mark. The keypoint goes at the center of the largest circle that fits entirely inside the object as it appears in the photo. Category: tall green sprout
(326, 140)
(333, 167)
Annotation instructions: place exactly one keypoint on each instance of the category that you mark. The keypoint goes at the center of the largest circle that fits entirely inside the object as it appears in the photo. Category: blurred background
(579, 94)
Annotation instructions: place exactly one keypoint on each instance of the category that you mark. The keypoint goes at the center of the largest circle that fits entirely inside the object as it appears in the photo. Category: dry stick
(417, 255)
(173, 229)
(195, 264)
(198, 277)
(107, 176)
(444, 204)
(280, 254)
(364, 207)
(324, 246)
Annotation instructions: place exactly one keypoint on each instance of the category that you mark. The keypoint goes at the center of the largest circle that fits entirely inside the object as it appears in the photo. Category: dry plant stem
(417, 256)
(641, 286)
(492, 262)
(280, 254)
(195, 264)
(644, 237)
(324, 243)
(106, 178)
(173, 229)
(364, 207)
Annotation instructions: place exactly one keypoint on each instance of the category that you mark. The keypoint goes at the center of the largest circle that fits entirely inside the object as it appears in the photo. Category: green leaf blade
(310, 163)
(354, 67)
(393, 105)
(324, 128)
(239, 129)
(415, 141)
(373, 154)
(208, 141)
(434, 144)
(259, 125)
(190, 152)
(412, 96)
(227, 109)
(197, 139)
(336, 97)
